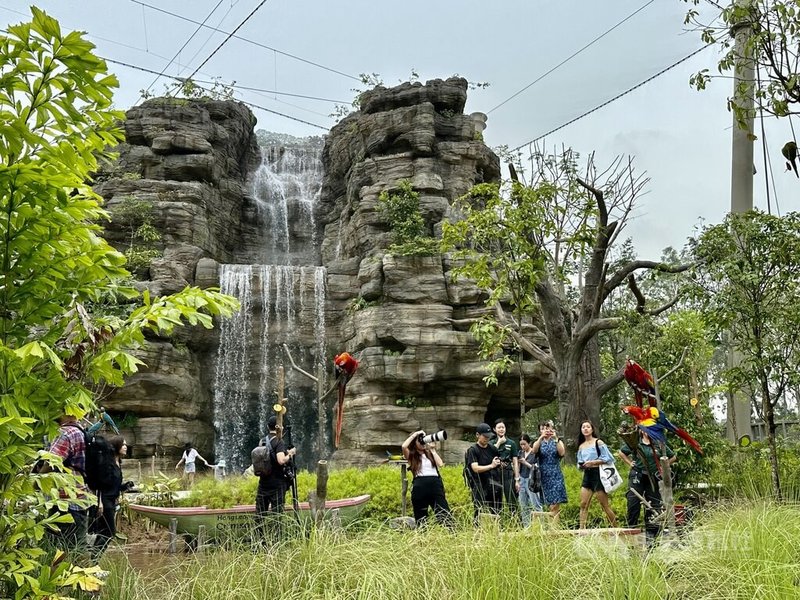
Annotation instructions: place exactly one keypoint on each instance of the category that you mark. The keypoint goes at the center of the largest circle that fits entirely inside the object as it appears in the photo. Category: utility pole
(741, 192)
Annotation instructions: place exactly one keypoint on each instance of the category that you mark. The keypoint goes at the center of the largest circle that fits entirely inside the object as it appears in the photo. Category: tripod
(292, 475)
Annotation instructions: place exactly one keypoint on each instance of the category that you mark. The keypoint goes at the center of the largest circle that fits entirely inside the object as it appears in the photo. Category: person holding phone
(550, 449)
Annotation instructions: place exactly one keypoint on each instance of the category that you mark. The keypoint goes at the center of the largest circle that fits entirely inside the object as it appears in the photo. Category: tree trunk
(578, 399)
(769, 418)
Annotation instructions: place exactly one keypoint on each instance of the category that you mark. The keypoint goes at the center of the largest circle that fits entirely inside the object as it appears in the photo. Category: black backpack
(101, 465)
(470, 477)
(261, 457)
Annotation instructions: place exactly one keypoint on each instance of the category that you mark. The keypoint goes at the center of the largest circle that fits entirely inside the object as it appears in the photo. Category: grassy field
(740, 550)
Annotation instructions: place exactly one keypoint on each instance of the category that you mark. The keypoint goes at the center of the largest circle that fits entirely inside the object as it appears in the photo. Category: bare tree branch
(610, 382)
(637, 293)
(635, 265)
(543, 357)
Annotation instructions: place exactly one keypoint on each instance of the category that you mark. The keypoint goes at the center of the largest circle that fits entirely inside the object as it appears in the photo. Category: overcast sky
(680, 137)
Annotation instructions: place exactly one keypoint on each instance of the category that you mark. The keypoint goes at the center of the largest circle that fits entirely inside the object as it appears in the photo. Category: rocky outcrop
(419, 365)
(188, 160)
(197, 163)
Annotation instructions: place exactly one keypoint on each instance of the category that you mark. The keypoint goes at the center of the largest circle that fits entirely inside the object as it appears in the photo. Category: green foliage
(746, 550)
(770, 35)
(401, 209)
(56, 122)
(359, 303)
(137, 216)
(748, 281)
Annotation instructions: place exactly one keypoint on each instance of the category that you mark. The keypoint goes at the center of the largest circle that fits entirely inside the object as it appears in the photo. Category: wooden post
(153, 466)
(201, 538)
(321, 496)
(698, 414)
(321, 414)
(403, 488)
(669, 501)
(281, 401)
(173, 535)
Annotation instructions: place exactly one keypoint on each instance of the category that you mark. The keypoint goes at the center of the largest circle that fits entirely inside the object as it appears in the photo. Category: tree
(749, 280)
(56, 274)
(772, 44)
(542, 250)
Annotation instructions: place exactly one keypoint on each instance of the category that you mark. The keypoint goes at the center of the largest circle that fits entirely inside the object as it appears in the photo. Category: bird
(789, 152)
(345, 366)
(655, 423)
(106, 418)
(640, 381)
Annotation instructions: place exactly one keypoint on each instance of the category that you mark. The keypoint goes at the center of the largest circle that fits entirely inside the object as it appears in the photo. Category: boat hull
(238, 519)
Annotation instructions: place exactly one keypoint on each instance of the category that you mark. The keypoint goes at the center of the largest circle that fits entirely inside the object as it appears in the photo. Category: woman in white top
(427, 489)
(188, 461)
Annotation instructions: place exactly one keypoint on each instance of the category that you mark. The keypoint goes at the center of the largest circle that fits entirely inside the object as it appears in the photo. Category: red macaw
(345, 366)
(654, 422)
(641, 381)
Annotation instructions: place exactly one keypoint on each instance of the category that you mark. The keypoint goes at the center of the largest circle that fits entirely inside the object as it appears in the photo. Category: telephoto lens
(439, 436)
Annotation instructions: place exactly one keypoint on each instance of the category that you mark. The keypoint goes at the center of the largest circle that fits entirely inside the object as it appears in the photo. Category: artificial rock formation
(405, 318)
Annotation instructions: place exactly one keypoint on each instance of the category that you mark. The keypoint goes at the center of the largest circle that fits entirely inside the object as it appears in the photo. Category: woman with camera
(427, 489)
(549, 449)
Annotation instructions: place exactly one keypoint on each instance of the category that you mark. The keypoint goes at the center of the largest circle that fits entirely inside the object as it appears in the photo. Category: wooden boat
(218, 521)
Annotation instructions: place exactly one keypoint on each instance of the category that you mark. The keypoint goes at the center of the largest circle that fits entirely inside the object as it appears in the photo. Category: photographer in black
(427, 489)
(271, 492)
(483, 469)
(508, 451)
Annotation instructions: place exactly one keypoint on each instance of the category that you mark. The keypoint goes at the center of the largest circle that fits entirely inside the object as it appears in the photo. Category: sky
(678, 136)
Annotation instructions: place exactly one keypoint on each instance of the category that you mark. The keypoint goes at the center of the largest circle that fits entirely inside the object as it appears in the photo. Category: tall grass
(741, 551)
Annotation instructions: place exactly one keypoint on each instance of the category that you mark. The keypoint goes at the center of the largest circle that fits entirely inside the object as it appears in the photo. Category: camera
(439, 436)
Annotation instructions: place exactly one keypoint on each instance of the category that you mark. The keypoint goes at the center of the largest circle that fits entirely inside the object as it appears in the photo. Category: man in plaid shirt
(71, 447)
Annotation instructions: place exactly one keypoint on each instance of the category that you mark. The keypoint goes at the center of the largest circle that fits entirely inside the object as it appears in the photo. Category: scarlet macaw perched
(641, 381)
(345, 367)
(654, 422)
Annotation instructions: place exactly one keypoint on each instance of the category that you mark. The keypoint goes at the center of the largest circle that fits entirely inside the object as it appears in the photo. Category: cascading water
(276, 310)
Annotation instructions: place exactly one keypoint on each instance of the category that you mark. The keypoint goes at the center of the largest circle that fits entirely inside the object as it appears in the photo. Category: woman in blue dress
(593, 452)
(550, 450)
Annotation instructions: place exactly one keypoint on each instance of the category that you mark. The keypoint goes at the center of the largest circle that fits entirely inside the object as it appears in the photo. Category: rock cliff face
(418, 369)
(311, 270)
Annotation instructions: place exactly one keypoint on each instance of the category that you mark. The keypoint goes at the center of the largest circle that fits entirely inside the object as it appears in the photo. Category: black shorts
(591, 480)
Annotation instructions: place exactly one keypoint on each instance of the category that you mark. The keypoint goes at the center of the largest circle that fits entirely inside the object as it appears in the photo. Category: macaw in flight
(655, 423)
(641, 382)
(345, 366)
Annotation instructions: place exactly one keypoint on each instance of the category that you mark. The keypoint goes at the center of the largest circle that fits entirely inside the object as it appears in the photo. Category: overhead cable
(232, 85)
(178, 53)
(571, 56)
(249, 41)
(230, 35)
(614, 99)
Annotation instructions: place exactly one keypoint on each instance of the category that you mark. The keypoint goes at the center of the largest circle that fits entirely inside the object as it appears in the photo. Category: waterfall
(283, 302)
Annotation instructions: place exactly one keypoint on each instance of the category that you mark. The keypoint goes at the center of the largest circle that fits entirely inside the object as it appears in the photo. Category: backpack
(261, 457)
(470, 477)
(101, 465)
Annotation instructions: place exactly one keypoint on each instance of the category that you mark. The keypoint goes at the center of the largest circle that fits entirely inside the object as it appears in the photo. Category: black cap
(272, 423)
(483, 429)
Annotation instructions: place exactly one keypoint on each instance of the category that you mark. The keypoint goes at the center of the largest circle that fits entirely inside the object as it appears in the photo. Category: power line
(573, 55)
(230, 35)
(614, 99)
(210, 35)
(233, 85)
(177, 54)
(249, 41)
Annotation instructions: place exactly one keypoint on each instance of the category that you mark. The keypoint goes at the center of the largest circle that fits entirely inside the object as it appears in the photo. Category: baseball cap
(272, 423)
(483, 429)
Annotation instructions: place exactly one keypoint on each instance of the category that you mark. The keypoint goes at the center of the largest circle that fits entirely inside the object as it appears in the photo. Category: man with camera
(271, 492)
(508, 451)
(483, 465)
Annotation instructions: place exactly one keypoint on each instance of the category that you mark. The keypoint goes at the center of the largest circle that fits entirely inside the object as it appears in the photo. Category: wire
(233, 85)
(208, 16)
(573, 55)
(208, 39)
(230, 35)
(249, 41)
(764, 150)
(614, 99)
